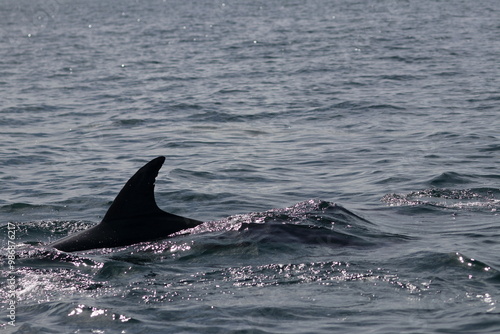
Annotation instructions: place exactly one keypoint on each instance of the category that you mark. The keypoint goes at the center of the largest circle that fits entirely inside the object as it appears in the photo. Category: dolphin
(133, 217)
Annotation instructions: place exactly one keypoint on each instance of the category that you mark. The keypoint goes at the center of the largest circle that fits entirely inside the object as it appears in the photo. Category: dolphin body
(133, 217)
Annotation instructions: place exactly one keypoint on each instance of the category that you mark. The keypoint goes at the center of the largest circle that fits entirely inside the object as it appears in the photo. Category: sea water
(343, 154)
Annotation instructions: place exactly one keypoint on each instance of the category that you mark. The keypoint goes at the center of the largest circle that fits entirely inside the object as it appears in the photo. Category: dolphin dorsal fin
(137, 196)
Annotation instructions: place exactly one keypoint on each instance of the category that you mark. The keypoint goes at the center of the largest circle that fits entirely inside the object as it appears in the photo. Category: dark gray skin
(132, 218)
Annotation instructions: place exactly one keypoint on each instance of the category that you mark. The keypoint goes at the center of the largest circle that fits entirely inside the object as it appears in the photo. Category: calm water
(344, 156)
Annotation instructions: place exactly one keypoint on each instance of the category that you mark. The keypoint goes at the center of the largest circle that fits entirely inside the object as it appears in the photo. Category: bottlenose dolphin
(133, 217)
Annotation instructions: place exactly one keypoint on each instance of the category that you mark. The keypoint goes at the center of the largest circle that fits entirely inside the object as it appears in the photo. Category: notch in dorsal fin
(137, 196)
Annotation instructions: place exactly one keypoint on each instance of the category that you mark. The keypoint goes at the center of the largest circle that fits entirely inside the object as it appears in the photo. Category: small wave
(17, 207)
(490, 148)
(306, 234)
(400, 77)
(456, 262)
(313, 222)
(449, 178)
(480, 198)
(128, 123)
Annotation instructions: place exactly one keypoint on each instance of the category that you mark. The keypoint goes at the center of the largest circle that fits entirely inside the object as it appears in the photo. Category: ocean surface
(343, 154)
